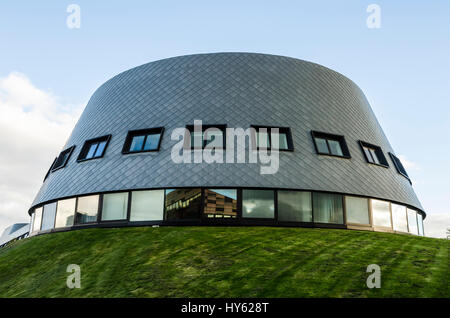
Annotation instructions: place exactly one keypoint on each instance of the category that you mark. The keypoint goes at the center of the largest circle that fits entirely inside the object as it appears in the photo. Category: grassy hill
(225, 262)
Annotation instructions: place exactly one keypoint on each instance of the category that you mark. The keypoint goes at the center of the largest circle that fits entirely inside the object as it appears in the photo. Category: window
(420, 223)
(294, 206)
(183, 204)
(37, 220)
(399, 166)
(207, 135)
(263, 138)
(87, 209)
(48, 217)
(328, 208)
(357, 210)
(412, 222)
(373, 154)
(65, 213)
(50, 169)
(332, 145)
(258, 204)
(144, 140)
(381, 213)
(115, 206)
(220, 203)
(94, 148)
(62, 159)
(399, 221)
(147, 205)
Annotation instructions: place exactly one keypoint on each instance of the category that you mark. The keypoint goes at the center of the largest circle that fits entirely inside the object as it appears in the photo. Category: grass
(225, 262)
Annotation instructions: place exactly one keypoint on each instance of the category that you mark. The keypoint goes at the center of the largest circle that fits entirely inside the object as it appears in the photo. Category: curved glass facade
(206, 206)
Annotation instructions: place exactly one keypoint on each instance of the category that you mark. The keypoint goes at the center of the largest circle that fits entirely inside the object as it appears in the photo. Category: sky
(48, 72)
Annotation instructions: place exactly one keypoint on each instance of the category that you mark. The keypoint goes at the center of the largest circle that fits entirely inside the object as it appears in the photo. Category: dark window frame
(142, 132)
(284, 130)
(50, 169)
(334, 137)
(87, 146)
(378, 152)
(187, 141)
(399, 166)
(67, 151)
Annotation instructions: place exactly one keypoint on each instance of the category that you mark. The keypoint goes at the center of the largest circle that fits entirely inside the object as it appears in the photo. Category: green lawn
(225, 262)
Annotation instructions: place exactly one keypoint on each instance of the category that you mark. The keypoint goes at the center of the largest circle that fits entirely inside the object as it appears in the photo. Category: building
(335, 168)
(14, 232)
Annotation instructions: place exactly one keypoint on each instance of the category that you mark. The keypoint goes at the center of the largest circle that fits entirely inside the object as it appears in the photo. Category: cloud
(436, 224)
(409, 165)
(34, 125)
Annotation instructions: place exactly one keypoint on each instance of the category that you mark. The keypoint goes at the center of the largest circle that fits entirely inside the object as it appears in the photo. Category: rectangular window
(294, 206)
(264, 137)
(115, 206)
(212, 135)
(381, 213)
(181, 204)
(328, 144)
(48, 216)
(258, 204)
(37, 220)
(357, 210)
(94, 148)
(87, 209)
(147, 205)
(399, 166)
(65, 213)
(220, 203)
(412, 222)
(62, 159)
(373, 154)
(144, 140)
(328, 208)
(420, 223)
(400, 223)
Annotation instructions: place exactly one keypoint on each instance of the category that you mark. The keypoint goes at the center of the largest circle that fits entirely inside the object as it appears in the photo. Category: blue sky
(403, 67)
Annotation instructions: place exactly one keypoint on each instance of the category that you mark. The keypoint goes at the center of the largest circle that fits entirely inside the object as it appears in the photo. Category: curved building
(281, 142)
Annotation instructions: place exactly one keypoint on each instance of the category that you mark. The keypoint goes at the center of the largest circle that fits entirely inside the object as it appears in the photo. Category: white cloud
(436, 224)
(34, 126)
(409, 165)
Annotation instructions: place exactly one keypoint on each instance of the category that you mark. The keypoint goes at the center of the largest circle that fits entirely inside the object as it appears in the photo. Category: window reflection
(183, 203)
(399, 220)
(115, 206)
(328, 208)
(65, 213)
(258, 204)
(381, 213)
(357, 210)
(294, 206)
(220, 203)
(87, 209)
(48, 216)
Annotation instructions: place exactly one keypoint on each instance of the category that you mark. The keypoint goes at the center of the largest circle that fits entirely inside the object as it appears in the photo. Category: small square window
(94, 148)
(373, 154)
(208, 134)
(144, 140)
(399, 166)
(62, 159)
(263, 138)
(331, 145)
